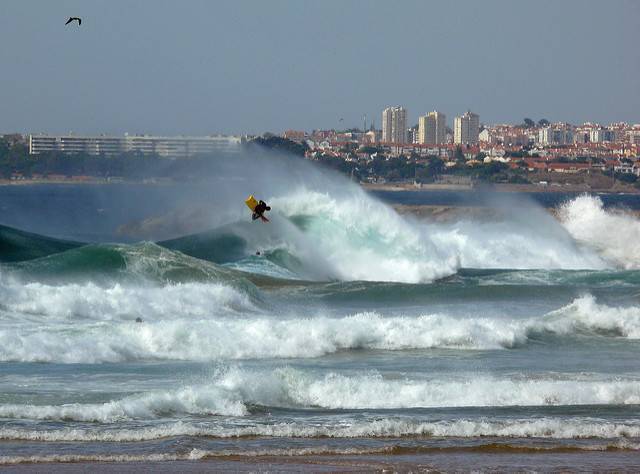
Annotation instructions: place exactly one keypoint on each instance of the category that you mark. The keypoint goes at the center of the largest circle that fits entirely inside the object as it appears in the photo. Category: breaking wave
(348, 235)
(358, 238)
(547, 427)
(208, 322)
(203, 400)
(322, 450)
(613, 234)
(236, 391)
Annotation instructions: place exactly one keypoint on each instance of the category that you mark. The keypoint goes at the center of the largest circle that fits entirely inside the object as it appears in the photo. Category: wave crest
(613, 234)
(547, 427)
(233, 392)
(210, 322)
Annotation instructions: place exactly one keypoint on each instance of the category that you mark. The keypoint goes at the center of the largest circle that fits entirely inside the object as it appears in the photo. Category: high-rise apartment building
(555, 135)
(602, 135)
(412, 135)
(466, 129)
(432, 128)
(394, 125)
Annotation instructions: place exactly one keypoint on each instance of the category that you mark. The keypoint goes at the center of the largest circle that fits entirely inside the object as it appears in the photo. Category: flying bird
(72, 18)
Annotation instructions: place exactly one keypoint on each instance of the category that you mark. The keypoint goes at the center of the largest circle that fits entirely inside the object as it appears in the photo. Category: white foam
(200, 333)
(339, 391)
(194, 454)
(232, 391)
(364, 239)
(539, 244)
(91, 301)
(322, 450)
(585, 315)
(200, 400)
(242, 338)
(553, 428)
(614, 234)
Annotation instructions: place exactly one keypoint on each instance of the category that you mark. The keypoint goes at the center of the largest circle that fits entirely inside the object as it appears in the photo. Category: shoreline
(88, 182)
(498, 187)
(459, 461)
(386, 187)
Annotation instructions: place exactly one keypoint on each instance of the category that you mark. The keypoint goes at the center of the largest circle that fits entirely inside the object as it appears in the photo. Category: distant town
(534, 152)
(528, 152)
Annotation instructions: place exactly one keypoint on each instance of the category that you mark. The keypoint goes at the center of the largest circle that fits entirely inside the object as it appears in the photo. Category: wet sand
(608, 461)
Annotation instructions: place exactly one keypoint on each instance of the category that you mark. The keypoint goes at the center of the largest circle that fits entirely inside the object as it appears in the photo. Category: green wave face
(17, 245)
(214, 246)
(143, 262)
(320, 237)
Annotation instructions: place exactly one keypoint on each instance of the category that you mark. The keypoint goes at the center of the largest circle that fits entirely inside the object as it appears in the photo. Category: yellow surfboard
(251, 203)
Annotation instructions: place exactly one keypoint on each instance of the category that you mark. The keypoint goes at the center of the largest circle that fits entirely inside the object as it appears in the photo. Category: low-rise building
(175, 147)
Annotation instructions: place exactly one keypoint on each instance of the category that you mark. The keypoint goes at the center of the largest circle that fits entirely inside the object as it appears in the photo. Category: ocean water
(355, 331)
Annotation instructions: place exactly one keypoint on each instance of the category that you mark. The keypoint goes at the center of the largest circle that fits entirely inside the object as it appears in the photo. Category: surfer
(260, 209)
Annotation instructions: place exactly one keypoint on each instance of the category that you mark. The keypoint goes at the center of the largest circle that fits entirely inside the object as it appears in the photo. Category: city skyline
(251, 67)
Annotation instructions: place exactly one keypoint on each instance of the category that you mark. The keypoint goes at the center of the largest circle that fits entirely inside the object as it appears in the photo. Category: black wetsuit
(260, 208)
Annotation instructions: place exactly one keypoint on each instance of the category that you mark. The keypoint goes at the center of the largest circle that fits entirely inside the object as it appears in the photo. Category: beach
(437, 462)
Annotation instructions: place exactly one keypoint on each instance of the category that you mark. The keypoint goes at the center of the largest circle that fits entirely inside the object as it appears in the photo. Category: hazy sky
(200, 67)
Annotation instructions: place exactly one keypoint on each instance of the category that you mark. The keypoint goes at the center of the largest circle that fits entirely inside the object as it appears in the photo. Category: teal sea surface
(339, 328)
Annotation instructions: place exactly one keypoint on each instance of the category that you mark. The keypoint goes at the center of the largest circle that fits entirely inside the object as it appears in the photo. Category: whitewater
(340, 328)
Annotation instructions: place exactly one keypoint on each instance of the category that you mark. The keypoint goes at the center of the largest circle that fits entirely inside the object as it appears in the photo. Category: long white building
(466, 129)
(174, 147)
(394, 125)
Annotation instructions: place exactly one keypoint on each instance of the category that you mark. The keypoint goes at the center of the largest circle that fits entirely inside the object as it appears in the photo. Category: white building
(555, 136)
(175, 147)
(581, 136)
(394, 125)
(432, 128)
(602, 135)
(412, 135)
(466, 129)
(372, 136)
(633, 135)
(486, 136)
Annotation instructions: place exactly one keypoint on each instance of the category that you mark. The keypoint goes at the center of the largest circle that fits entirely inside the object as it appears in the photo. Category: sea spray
(345, 234)
(614, 234)
(364, 239)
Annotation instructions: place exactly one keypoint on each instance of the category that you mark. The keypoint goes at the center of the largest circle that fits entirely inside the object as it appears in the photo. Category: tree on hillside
(458, 156)
(370, 149)
(543, 123)
(435, 167)
(284, 144)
